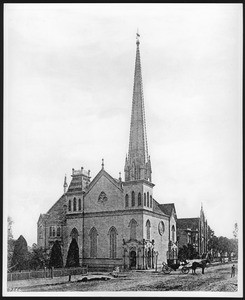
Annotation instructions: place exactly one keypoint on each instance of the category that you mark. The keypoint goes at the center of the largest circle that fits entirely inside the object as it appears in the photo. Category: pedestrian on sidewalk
(233, 271)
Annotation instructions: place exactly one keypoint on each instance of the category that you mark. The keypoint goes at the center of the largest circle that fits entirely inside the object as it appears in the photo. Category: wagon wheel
(185, 270)
(166, 269)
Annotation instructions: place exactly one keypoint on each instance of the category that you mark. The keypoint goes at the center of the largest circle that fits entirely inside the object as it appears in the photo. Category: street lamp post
(139, 250)
(143, 254)
(156, 259)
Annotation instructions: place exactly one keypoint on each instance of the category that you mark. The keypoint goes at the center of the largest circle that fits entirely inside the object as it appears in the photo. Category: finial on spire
(102, 163)
(137, 37)
(65, 184)
(120, 178)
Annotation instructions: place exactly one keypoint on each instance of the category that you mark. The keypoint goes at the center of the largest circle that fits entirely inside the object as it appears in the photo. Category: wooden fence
(47, 273)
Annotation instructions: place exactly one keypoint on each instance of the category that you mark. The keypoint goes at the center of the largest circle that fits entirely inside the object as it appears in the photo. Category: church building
(193, 231)
(114, 222)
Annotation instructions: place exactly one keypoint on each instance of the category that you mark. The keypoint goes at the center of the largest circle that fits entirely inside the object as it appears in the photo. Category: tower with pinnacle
(137, 169)
(114, 222)
(137, 163)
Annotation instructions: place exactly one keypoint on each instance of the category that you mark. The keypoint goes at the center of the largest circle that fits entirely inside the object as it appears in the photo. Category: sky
(68, 85)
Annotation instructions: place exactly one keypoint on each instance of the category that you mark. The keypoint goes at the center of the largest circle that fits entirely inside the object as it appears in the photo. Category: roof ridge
(92, 183)
(55, 203)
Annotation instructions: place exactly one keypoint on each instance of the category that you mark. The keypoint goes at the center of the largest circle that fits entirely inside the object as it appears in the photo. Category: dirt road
(216, 278)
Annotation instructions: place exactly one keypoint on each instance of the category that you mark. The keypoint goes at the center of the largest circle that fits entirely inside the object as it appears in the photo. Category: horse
(199, 264)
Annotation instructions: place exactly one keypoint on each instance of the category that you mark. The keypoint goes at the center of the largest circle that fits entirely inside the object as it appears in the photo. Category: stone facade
(114, 222)
(133, 249)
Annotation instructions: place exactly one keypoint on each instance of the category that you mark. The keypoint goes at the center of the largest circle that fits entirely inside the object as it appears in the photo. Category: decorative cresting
(137, 164)
(102, 197)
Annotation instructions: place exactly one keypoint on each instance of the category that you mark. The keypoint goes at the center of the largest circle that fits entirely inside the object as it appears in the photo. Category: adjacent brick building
(193, 231)
(114, 222)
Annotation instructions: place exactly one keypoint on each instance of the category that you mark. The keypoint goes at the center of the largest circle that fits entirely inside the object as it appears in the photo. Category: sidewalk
(54, 280)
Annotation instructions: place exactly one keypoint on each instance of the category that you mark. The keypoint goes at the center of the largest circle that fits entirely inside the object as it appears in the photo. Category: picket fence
(47, 273)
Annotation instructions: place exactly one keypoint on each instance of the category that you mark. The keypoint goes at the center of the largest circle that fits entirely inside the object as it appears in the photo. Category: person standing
(233, 271)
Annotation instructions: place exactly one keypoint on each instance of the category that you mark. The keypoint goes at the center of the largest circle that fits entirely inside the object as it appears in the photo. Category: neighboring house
(193, 231)
(114, 222)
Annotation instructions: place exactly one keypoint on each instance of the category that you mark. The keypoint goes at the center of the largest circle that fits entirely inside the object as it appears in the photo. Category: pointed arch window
(139, 199)
(173, 233)
(148, 230)
(74, 204)
(147, 199)
(133, 198)
(144, 199)
(53, 231)
(93, 242)
(69, 205)
(150, 200)
(74, 234)
(79, 204)
(40, 230)
(58, 231)
(126, 200)
(133, 225)
(113, 242)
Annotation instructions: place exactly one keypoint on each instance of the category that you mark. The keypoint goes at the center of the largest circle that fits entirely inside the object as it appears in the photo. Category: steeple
(65, 185)
(137, 164)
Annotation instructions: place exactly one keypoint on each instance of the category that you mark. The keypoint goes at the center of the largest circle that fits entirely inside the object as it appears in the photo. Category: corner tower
(137, 164)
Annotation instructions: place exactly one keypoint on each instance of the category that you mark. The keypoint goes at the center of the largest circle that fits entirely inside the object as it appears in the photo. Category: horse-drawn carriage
(173, 265)
(184, 266)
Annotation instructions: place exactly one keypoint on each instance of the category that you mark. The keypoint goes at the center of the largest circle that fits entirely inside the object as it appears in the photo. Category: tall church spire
(137, 164)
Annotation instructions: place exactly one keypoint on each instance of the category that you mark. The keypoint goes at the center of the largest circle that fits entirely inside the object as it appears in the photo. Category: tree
(235, 232)
(234, 247)
(20, 259)
(10, 223)
(56, 259)
(187, 252)
(11, 241)
(73, 255)
(39, 258)
(210, 233)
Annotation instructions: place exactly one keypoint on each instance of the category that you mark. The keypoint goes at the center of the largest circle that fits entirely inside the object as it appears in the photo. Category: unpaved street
(216, 278)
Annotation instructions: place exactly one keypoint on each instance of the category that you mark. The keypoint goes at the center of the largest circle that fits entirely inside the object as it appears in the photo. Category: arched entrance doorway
(132, 261)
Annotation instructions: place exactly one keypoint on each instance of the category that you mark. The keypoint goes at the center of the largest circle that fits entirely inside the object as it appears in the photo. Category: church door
(132, 259)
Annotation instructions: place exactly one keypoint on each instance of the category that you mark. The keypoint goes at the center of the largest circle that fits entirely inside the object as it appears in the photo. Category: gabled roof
(42, 217)
(55, 212)
(101, 173)
(168, 208)
(58, 203)
(157, 208)
(188, 223)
